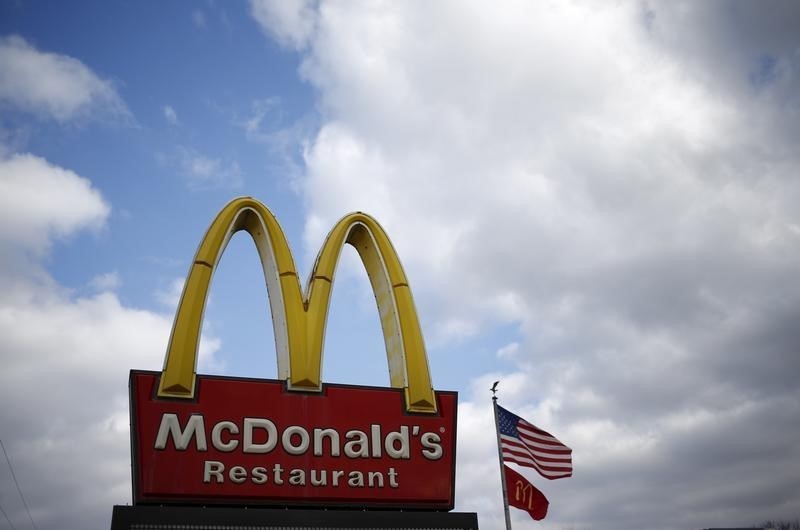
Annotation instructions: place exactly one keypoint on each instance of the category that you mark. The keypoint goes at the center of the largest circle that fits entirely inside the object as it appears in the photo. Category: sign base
(209, 518)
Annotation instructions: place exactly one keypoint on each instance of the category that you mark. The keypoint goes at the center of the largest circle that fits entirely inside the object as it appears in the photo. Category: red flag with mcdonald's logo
(524, 495)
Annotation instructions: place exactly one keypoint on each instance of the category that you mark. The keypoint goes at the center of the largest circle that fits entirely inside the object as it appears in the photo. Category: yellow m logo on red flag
(524, 495)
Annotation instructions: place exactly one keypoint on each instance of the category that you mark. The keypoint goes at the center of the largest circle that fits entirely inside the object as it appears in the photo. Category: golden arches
(299, 318)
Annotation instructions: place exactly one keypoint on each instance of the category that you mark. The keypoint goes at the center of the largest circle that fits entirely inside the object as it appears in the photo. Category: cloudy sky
(597, 203)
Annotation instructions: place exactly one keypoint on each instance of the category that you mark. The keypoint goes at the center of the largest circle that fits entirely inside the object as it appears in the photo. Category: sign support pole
(500, 457)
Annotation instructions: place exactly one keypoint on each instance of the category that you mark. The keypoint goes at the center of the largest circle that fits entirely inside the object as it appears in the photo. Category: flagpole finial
(494, 390)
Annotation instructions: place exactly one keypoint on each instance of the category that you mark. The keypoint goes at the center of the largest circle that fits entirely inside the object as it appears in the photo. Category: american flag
(529, 446)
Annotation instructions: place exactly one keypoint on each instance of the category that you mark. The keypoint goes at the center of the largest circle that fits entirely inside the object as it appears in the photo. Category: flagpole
(500, 457)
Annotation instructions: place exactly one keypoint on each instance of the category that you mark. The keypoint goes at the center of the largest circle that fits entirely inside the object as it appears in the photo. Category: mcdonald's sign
(199, 439)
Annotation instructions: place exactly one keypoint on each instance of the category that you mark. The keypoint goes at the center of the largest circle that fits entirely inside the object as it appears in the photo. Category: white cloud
(253, 125)
(265, 124)
(199, 18)
(290, 22)
(204, 172)
(53, 85)
(40, 201)
(572, 170)
(82, 349)
(170, 115)
(109, 281)
(510, 350)
(66, 358)
(170, 297)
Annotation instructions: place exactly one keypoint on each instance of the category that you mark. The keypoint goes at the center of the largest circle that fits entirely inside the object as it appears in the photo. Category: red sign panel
(250, 441)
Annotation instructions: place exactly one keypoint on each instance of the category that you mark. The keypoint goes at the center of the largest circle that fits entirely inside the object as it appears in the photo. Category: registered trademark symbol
(441, 429)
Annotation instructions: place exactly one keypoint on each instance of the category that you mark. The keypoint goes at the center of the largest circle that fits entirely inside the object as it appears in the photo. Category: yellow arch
(300, 318)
